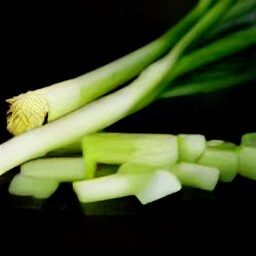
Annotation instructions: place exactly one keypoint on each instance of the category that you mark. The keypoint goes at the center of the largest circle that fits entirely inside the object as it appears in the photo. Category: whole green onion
(32, 109)
(111, 108)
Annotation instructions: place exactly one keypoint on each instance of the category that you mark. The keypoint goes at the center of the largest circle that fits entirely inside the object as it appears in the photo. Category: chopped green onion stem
(141, 170)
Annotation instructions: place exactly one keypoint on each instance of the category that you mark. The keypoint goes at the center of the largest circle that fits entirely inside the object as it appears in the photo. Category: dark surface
(47, 42)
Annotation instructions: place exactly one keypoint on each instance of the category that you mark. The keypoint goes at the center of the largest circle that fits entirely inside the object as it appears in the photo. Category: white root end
(26, 111)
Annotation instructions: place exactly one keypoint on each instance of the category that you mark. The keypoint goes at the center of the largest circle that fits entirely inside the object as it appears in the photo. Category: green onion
(195, 175)
(62, 169)
(191, 146)
(240, 15)
(241, 7)
(32, 109)
(217, 50)
(109, 109)
(157, 150)
(40, 178)
(31, 186)
(222, 156)
(249, 139)
(141, 168)
(247, 156)
(147, 186)
(220, 75)
(29, 110)
(247, 162)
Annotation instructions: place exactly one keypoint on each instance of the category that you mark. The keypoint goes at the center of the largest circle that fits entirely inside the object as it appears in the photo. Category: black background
(49, 41)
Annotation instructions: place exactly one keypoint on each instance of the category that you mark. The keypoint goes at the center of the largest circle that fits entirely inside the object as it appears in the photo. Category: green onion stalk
(34, 108)
(107, 110)
(234, 70)
(29, 110)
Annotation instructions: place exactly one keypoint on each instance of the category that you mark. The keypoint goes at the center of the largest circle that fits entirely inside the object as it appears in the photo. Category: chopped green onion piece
(212, 143)
(191, 147)
(32, 186)
(220, 144)
(249, 139)
(222, 156)
(195, 175)
(147, 186)
(159, 150)
(247, 161)
(58, 168)
(161, 184)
